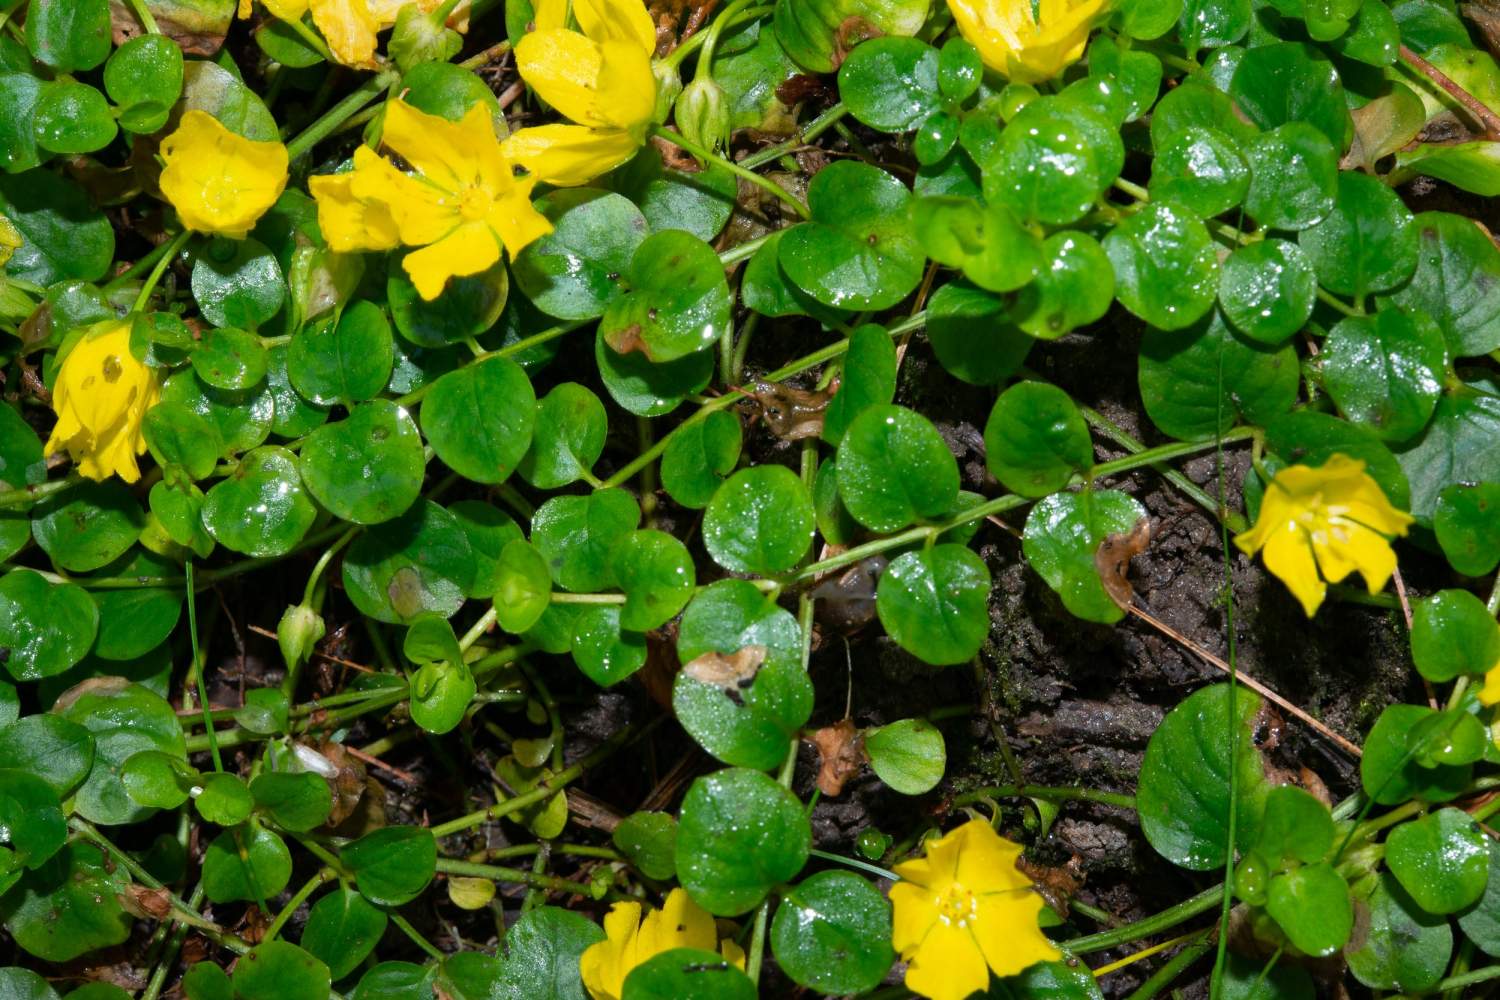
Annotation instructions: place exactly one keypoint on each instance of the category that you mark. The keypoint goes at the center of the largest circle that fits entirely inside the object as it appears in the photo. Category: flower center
(956, 906)
(474, 204)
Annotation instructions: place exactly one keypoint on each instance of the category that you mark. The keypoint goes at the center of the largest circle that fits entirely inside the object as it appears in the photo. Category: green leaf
(740, 834)
(575, 271)
(1197, 103)
(67, 907)
(699, 455)
(832, 933)
(891, 84)
(687, 974)
(729, 615)
(238, 283)
(68, 35)
(58, 751)
(1481, 921)
(1441, 859)
(88, 526)
(743, 708)
(392, 865)
(993, 250)
(1453, 633)
(1390, 771)
(813, 32)
(568, 438)
(18, 150)
(179, 436)
(1456, 283)
(893, 468)
(1166, 266)
(276, 970)
(1068, 979)
(1201, 169)
(467, 308)
(1467, 524)
(63, 236)
(759, 521)
(367, 468)
(396, 981)
(224, 800)
(858, 251)
(523, 586)
(242, 419)
(1213, 23)
(576, 534)
(908, 755)
(1368, 243)
(17, 983)
(655, 571)
(248, 863)
(869, 379)
(605, 652)
(1062, 534)
(1247, 979)
(649, 841)
(1386, 371)
(1053, 160)
(1405, 948)
(1306, 437)
(1074, 288)
(34, 826)
(1184, 781)
(1296, 827)
(45, 627)
(1267, 290)
(341, 930)
(421, 562)
(344, 362)
(260, 509)
(1460, 445)
(440, 695)
(480, 418)
(973, 334)
(144, 77)
(699, 202)
(1035, 439)
(72, 117)
(542, 950)
(1194, 382)
(1311, 904)
(158, 780)
(935, 603)
(124, 719)
(297, 801)
(1293, 177)
(678, 302)
(647, 388)
(1289, 82)
(489, 531)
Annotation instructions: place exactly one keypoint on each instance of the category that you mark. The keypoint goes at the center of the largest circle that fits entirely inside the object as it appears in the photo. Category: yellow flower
(600, 79)
(1023, 48)
(218, 181)
(462, 204)
(964, 911)
(350, 26)
(101, 394)
(630, 941)
(1319, 525)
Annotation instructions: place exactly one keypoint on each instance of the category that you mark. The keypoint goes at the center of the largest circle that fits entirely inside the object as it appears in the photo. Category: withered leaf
(730, 671)
(1112, 560)
(792, 414)
(841, 750)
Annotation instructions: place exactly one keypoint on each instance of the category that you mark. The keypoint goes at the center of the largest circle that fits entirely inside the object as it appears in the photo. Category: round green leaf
(832, 934)
(68, 35)
(575, 271)
(740, 834)
(1267, 290)
(649, 840)
(34, 826)
(1457, 445)
(1368, 243)
(342, 929)
(124, 719)
(759, 521)
(523, 586)
(1467, 523)
(1481, 922)
(1184, 780)
(245, 863)
(1296, 827)
(1442, 860)
(392, 865)
(1213, 23)
(72, 117)
(68, 907)
(568, 438)
(277, 970)
(687, 974)
(743, 708)
(1390, 770)
(144, 77)
(440, 695)
(678, 302)
(45, 627)
(974, 335)
(1053, 160)
(17, 983)
(647, 388)
(348, 361)
(1063, 532)
(1201, 169)
(1456, 283)
(297, 801)
(869, 379)
(224, 800)
(1288, 82)
(367, 468)
(1311, 904)
(891, 84)
(135, 620)
(230, 359)
(242, 419)
(1294, 175)
(260, 509)
(467, 308)
(1035, 439)
(858, 251)
(1386, 371)
(489, 531)
(908, 755)
(993, 250)
(699, 455)
(178, 436)
(479, 419)
(576, 533)
(1453, 633)
(893, 468)
(419, 563)
(89, 526)
(603, 651)
(62, 234)
(1405, 948)
(59, 752)
(656, 572)
(729, 615)
(238, 283)
(935, 603)
(1166, 266)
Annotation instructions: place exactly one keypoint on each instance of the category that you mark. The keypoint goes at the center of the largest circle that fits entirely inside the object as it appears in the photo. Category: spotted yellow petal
(680, 923)
(913, 911)
(986, 860)
(569, 155)
(449, 155)
(101, 395)
(286, 10)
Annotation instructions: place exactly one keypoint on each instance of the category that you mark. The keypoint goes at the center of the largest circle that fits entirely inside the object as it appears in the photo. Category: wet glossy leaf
(987, 244)
(1289, 82)
(1460, 445)
(420, 562)
(908, 755)
(1368, 243)
(479, 419)
(655, 571)
(740, 834)
(59, 752)
(832, 932)
(440, 695)
(342, 929)
(759, 521)
(1213, 23)
(542, 949)
(1311, 904)
(893, 468)
(858, 251)
(1481, 921)
(1201, 169)
(576, 533)
(1442, 860)
(63, 235)
(347, 362)
(1166, 266)
(124, 720)
(646, 388)
(1386, 371)
(1035, 439)
(868, 379)
(179, 436)
(1296, 827)
(677, 304)
(1053, 160)
(698, 457)
(68, 35)
(1467, 523)
(367, 468)
(1389, 770)
(603, 650)
(1074, 287)
(687, 974)
(135, 620)
(34, 826)
(392, 865)
(72, 117)
(297, 801)
(973, 333)
(144, 77)
(467, 308)
(699, 202)
(1061, 537)
(730, 615)
(1456, 283)
(45, 628)
(1406, 948)
(1267, 290)
(245, 863)
(935, 603)
(88, 526)
(238, 283)
(568, 438)
(522, 587)
(67, 907)
(276, 970)
(260, 508)
(1293, 177)
(578, 269)
(813, 33)
(649, 841)
(891, 84)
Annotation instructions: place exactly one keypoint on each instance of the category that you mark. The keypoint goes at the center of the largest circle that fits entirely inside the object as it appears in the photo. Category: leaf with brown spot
(1112, 560)
(841, 749)
(197, 26)
(792, 414)
(731, 671)
(148, 904)
(850, 33)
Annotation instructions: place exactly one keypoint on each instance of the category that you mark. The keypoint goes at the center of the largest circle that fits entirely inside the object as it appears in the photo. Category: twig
(374, 761)
(1432, 701)
(1481, 111)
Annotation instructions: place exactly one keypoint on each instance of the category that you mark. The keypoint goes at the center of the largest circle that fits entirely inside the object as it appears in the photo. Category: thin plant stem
(1172, 916)
(160, 268)
(192, 610)
(1047, 793)
(708, 155)
(335, 116)
(1175, 967)
(323, 877)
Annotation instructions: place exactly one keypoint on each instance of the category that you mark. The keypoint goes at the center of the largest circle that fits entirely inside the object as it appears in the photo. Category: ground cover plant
(717, 498)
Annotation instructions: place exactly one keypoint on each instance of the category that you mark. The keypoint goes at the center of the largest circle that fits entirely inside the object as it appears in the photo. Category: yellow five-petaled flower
(630, 940)
(462, 205)
(218, 181)
(1318, 525)
(1023, 47)
(601, 80)
(101, 394)
(964, 911)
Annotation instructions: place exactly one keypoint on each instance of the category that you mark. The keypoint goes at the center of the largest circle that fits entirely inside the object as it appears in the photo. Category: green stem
(863, 866)
(520, 876)
(1494, 602)
(1483, 975)
(312, 39)
(811, 131)
(139, 268)
(1047, 793)
(192, 610)
(1178, 964)
(323, 561)
(30, 494)
(143, 14)
(708, 155)
(1186, 910)
(159, 269)
(711, 38)
(323, 877)
(331, 119)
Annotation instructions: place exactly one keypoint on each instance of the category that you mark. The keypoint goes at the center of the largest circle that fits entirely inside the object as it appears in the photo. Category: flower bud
(299, 631)
(703, 113)
(668, 86)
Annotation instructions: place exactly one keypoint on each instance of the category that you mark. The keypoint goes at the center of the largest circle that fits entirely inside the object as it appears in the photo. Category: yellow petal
(218, 181)
(623, 21)
(10, 239)
(1490, 693)
(101, 395)
(447, 154)
(913, 912)
(349, 28)
(467, 250)
(348, 223)
(625, 95)
(1288, 554)
(563, 68)
(948, 965)
(986, 860)
(422, 212)
(569, 155)
(680, 923)
(1006, 929)
(1355, 547)
(733, 953)
(997, 28)
(604, 965)
(516, 221)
